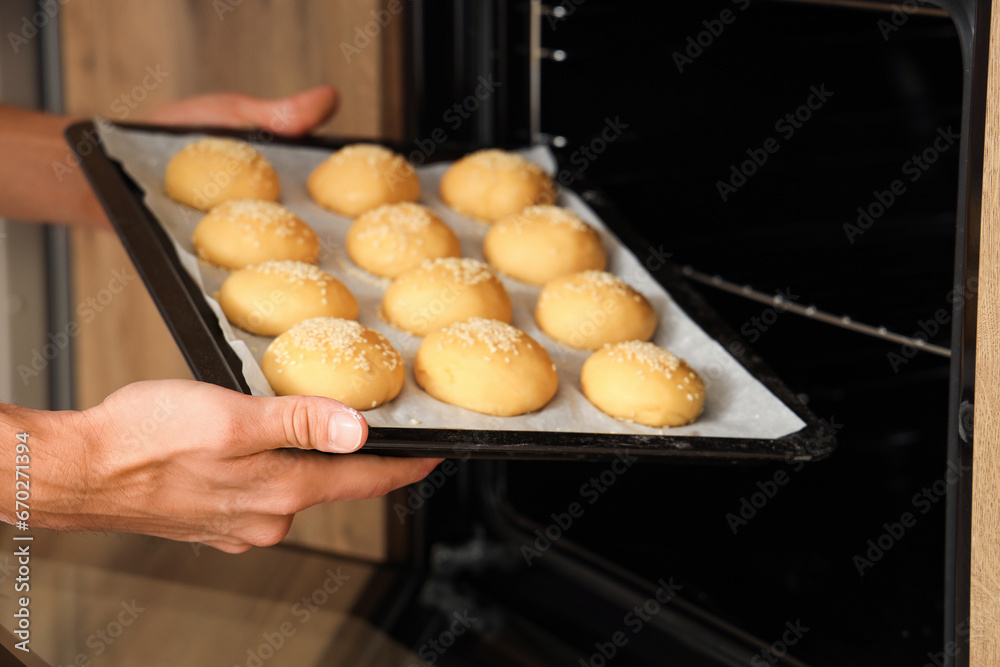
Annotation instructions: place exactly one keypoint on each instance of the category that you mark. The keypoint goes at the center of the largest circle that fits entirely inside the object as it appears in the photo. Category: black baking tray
(200, 338)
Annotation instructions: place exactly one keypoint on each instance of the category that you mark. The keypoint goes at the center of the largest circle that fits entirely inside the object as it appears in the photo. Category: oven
(807, 167)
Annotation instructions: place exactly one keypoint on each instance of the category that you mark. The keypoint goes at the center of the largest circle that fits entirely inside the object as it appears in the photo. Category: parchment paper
(737, 405)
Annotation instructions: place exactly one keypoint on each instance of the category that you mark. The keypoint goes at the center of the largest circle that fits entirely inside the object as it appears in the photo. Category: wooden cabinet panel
(985, 590)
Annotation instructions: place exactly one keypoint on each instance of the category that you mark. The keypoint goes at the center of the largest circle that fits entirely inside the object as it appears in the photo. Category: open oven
(809, 172)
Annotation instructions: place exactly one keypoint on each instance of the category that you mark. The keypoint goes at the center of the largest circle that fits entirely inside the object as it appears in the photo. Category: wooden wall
(985, 591)
(258, 47)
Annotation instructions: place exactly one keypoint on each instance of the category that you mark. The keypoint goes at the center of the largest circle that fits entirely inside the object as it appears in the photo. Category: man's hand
(193, 462)
(32, 142)
(291, 116)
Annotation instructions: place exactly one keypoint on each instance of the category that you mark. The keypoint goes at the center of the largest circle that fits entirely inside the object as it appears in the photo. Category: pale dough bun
(361, 177)
(210, 171)
(486, 366)
(236, 234)
(270, 298)
(589, 309)
(393, 238)
(541, 243)
(442, 291)
(640, 382)
(339, 359)
(492, 184)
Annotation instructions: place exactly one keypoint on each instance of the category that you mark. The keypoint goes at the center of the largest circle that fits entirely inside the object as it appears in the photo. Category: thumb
(294, 115)
(303, 422)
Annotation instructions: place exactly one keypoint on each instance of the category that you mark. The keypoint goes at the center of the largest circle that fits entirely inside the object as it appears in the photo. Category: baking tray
(202, 342)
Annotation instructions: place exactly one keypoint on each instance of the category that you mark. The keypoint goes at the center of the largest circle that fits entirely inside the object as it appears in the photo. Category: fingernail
(346, 430)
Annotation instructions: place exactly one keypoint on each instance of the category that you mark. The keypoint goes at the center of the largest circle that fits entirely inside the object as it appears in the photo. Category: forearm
(38, 180)
(43, 459)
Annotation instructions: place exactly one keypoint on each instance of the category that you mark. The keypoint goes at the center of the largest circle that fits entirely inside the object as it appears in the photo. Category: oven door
(129, 600)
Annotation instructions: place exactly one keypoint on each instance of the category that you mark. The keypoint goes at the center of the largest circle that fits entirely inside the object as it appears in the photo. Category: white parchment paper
(737, 405)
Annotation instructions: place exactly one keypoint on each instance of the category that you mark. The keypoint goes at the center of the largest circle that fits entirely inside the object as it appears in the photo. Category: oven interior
(853, 213)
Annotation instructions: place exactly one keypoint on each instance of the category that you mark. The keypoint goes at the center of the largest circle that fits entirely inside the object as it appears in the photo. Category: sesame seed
(397, 226)
(294, 272)
(252, 214)
(340, 342)
(372, 154)
(233, 149)
(655, 358)
(597, 282)
(498, 160)
(458, 270)
(543, 215)
(498, 336)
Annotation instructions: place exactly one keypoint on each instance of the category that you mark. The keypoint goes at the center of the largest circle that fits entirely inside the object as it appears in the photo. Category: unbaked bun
(270, 298)
(486, 366)
(492, 184)
(210, 171)
(588, 309)
(361, 177)
(640, 382)
(236, 234)
(442, 291)
(336, 358)
(541, 243)
(393, 238)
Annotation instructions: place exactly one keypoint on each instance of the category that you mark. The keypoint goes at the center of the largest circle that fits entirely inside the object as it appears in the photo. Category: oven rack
(812, 312)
